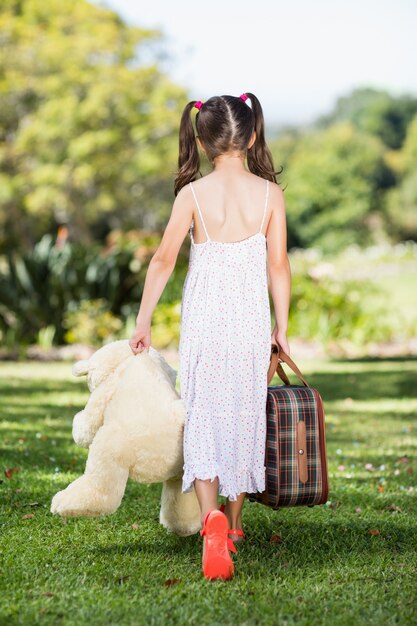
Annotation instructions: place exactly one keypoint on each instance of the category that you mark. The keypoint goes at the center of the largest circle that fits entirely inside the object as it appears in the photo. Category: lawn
(350, 562)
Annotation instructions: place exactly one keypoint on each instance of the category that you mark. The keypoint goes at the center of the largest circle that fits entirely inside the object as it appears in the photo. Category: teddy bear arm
(87, 422)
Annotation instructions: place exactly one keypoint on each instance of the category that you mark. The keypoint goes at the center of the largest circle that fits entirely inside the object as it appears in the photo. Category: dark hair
(223, 123)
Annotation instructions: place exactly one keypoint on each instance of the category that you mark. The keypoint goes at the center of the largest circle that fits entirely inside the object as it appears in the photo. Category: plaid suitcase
(295, 455)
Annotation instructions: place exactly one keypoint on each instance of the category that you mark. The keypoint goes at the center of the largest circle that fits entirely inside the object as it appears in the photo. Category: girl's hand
(280, 338)
(141, 338)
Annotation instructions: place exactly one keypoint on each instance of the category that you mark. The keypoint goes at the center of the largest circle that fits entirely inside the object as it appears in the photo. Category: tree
(88, 129)
(402, 200)
(333, 180)
(374, 112)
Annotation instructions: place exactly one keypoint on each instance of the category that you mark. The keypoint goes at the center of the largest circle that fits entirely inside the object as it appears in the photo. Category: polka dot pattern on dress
(224, 350)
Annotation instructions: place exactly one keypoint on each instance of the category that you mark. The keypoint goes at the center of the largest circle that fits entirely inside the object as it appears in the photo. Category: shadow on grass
(319, 542)
(369, 385)
(375, 359)
(15, 387)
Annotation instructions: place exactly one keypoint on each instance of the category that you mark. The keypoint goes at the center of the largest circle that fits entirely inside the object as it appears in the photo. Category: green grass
(328, 569)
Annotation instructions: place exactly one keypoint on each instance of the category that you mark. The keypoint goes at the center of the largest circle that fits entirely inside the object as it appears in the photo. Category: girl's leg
(233, 512)
(207, 494)
(217, 563)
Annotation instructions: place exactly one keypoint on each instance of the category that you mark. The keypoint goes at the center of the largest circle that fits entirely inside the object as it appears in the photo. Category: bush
(166, 325)
(332, 310)
(38, 288)
(90, 322)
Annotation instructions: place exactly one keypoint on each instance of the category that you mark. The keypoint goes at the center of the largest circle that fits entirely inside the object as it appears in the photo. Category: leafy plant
(38, 287)
(90, 322)
(330, 310)
(166, 324)
(46, 336)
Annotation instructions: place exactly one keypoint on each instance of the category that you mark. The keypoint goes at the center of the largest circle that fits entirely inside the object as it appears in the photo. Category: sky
(296, 56)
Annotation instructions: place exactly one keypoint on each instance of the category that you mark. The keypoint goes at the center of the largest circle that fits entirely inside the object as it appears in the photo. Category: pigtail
(188, 159)
(259, 157)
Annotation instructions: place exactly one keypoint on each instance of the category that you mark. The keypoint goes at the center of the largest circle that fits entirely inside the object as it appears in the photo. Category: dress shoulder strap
(199, 211)
(266, 204)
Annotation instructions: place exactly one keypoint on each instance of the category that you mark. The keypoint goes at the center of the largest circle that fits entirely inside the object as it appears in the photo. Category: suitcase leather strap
(277, 356)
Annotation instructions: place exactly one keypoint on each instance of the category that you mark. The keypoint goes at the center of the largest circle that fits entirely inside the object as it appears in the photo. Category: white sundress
(224, 353)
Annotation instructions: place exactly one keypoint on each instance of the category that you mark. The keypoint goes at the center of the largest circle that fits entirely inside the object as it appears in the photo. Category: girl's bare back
(232, 206)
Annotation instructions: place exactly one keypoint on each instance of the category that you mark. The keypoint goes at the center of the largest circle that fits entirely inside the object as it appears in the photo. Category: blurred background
(90, 100)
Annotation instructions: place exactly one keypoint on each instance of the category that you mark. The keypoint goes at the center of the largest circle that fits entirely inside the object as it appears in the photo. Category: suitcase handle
(277, 356)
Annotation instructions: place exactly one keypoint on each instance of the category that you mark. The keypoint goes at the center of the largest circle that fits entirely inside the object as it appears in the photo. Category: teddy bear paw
(81, 430)
(62, 504)
(78, 500)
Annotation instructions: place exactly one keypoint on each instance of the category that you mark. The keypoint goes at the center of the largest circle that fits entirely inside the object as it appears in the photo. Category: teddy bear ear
(80, 368)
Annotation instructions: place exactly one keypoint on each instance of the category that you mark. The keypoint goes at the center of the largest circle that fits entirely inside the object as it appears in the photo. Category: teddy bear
(133, 427)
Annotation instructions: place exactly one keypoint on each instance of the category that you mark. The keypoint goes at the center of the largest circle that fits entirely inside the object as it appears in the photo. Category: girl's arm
(161, 267)
(279, 266)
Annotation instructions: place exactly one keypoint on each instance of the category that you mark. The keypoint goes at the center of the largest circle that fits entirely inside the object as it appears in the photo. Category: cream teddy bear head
(106, 359)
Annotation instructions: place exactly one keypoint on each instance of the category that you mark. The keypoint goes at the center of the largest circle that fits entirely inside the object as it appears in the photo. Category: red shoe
(217, 562)
(232, 531)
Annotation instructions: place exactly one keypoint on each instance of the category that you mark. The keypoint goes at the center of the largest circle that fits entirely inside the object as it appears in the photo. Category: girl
(236, 219)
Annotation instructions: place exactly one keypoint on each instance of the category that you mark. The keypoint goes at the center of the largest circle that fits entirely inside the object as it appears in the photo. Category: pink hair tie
(198, 104)
(244, 97)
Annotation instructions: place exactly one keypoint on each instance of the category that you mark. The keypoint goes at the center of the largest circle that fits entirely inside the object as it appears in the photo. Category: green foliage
(332, 310)
(38, 287)
(351, 178)
(78, 290)
(34, 290)
(166, 325)
(87, 128)
(46, 336)
(63, 292)
(90, 322)
(88, 138)
(401, 207)
(332, 187)
(410, 147)
(360, 296)
(376, 113)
